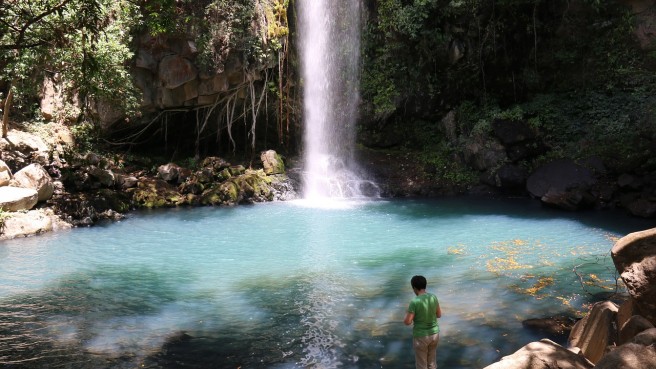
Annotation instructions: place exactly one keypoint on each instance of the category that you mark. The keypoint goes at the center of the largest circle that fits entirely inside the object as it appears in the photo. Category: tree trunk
(5, 112)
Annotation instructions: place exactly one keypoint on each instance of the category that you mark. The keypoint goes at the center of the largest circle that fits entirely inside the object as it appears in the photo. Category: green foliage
(83, 41)
(241, 26)
(438, 162)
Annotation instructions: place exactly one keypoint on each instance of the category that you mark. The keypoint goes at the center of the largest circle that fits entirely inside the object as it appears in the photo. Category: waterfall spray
(330, 44)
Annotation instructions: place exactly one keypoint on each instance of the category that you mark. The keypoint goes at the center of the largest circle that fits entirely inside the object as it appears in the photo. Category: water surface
(283, 285)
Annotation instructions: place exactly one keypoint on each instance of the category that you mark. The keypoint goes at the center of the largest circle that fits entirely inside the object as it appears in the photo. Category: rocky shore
(46, 186)
(610, 336)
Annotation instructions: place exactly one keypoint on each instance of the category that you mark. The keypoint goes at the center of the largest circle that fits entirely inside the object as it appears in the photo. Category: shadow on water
(100, 319)
(611, 220)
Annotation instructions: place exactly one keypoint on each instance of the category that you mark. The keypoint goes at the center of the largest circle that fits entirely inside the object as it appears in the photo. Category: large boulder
(16, 198)
(544, 354)
(34, 176)
(562, 183)
(629, 356)
(634, 256)
(596, 331)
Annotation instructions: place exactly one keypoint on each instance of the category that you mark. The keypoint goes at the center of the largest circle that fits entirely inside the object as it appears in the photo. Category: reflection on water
(290, 286)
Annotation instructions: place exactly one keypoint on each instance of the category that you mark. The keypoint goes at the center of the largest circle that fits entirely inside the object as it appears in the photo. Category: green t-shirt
(424, 307)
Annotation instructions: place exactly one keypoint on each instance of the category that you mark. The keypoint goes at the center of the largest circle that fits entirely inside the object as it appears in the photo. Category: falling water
(330, 41)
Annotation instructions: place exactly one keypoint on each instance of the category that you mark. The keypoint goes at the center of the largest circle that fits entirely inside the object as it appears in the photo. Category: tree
(83, 40)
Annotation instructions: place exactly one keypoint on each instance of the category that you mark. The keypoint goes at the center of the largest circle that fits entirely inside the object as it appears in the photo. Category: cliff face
(223, 66)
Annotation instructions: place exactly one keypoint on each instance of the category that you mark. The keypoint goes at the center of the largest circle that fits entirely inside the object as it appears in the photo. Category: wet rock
(634, 256)
(544, 354)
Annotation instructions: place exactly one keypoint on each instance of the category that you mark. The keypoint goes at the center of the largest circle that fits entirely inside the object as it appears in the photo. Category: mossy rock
(230, 192)
(155, 193)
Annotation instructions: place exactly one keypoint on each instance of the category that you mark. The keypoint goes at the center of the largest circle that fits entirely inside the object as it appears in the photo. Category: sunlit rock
(272, 162)
(596, 331)
(34, 176)
(16, 198)
(5, 174)
(30, 223)
(544, 354)
(634, 256)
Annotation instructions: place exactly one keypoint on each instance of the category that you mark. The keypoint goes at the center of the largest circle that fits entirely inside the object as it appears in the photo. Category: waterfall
(329, 32)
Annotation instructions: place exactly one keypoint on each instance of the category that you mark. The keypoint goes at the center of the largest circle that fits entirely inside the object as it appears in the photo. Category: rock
(632, 327)
(544, 354)
(628, 181)
(17, 198)
(634, 256)
(448, 125)
(596, 331)
(218, 83)
(626, 310)
(574, 199)
(215, 163)
(20, 149)
(35, 177)
(646, 337)
(562, 183)
(553, 326)
(561, 175)
(155, 193)
(174, 71)
(104, 176)
(126, 181)
(5, 174)
(629, 356)
(641, 207)
(168, 172)
(272, 162)
(31, 223)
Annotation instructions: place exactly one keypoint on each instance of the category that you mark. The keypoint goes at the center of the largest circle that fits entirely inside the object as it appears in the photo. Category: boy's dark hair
(418, 282)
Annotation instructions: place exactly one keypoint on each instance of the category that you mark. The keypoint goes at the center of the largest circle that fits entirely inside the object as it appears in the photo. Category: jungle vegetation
(573, 69)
